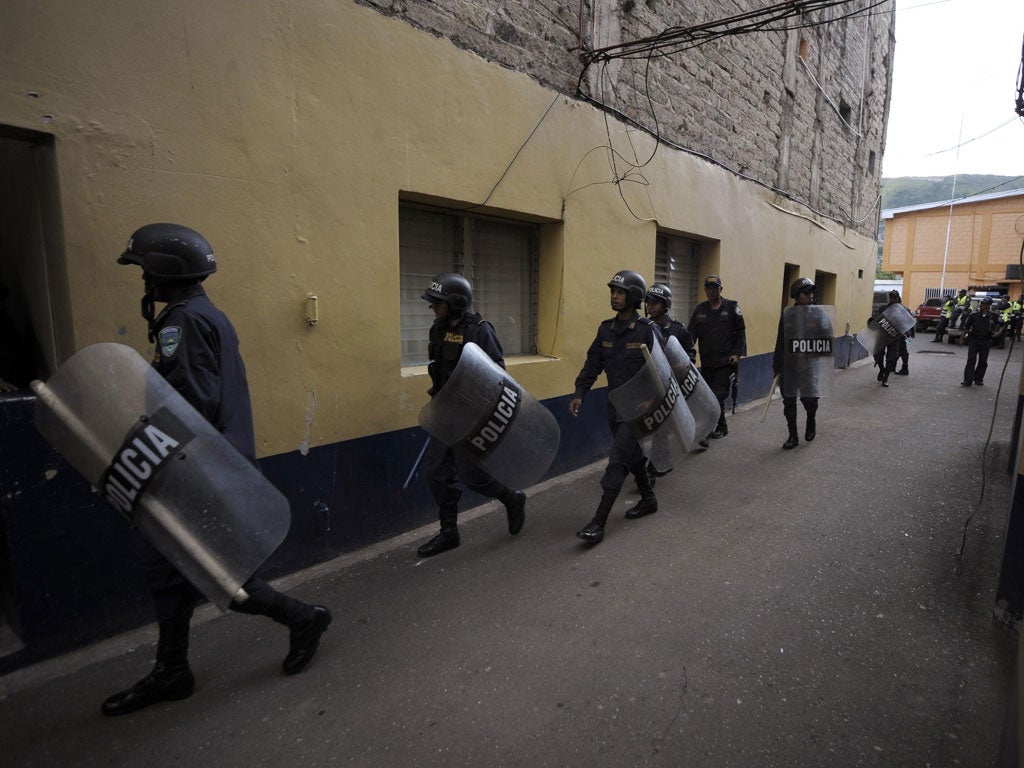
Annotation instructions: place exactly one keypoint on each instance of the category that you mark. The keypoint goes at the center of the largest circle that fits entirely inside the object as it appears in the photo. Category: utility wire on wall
(1020, 83)
(678, 39)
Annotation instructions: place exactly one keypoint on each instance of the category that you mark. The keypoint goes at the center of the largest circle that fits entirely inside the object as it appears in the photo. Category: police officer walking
(616, 350)
(720, 332)
(657, 304)
(197, 353)
(450, 296)
(802, 293)
(886, 358)
(978, 330)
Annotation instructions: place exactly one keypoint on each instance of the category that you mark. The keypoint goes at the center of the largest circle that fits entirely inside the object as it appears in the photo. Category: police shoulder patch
(738, 310)
(170, 338)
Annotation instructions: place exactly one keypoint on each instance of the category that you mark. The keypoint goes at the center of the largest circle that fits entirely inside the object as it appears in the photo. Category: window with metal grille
(498, 256)
(675, 264)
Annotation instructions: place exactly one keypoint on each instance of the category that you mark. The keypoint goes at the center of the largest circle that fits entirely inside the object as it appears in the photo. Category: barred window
(675, 264)
(498, 256)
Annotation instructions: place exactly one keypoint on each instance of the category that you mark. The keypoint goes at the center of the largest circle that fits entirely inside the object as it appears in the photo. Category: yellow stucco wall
(287, 132)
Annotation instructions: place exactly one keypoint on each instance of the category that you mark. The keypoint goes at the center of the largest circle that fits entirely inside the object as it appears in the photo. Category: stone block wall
(799, 106)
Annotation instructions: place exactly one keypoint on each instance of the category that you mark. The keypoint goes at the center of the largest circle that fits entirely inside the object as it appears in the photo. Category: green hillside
(915, 190)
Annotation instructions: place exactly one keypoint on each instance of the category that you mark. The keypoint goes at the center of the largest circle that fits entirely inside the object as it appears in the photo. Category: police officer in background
(1016, 311)
(657, 304)
(616, 350)
(902, 350)
(197, 353)
(450, 297)
(1004, 311)
(979, 328)
(886, 359)
(961, 310)
(944, 315)
(718, 327)
(802, 293)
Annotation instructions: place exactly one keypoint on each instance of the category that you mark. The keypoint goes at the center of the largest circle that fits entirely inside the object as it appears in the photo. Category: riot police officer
(720, 331)
(886, 358)
(450, 296)
(616, 350)
(979, 328)
(802, 293)
(197, 353)
(657, 303)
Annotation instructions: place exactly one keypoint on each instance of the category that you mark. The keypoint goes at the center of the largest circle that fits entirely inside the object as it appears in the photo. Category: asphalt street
(782, 608)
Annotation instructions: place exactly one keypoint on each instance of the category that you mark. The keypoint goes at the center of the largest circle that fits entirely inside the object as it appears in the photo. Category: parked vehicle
(928, 313)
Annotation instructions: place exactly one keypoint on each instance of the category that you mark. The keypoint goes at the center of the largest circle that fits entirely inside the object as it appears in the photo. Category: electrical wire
(674, 39)
(965, 143)
(828, 98)
(702, 34)
(504, 173)
(1019, 104)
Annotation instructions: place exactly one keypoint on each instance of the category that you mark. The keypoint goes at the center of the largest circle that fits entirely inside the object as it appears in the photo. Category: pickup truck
(928, 313)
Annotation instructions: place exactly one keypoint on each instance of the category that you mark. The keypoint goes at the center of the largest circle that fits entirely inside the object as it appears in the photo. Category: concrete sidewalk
(783, 608)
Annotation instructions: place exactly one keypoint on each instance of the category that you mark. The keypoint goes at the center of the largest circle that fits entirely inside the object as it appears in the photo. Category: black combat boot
(447, 539)
(648, 503)
(646, 506)
(515, 511)
(167, 682)
(593, 532)
(884, 378)
(809, 432)
(791, 442)
(304, 640)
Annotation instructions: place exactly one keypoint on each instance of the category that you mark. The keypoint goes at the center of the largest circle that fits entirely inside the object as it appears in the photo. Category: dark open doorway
(35, 333)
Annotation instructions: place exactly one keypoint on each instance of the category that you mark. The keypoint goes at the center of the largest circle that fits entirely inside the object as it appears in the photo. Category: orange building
(942, 247)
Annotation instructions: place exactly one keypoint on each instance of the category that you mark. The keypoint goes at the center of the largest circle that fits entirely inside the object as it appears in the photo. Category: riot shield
(653, 400)
(699, 397)
(202, 504)
(484, 414)
(808, 366)
(885, 328)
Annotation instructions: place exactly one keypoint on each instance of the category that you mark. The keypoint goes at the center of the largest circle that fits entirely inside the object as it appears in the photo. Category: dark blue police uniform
(445, 467)
(789, 403)
(197, 352)
(616, 350)
(978, 329)
(670, 327)
(720, 334)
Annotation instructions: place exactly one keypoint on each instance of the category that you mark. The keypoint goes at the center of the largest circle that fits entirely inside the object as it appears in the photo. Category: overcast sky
(956, 60)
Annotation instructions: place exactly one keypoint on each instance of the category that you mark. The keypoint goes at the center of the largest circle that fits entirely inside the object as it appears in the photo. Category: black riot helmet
(170, 252)
(632, 283)
(799, 286)
(660, 291)
(452, 288)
